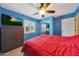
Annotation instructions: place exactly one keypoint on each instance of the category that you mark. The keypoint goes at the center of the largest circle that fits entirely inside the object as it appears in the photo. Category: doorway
(68, 27)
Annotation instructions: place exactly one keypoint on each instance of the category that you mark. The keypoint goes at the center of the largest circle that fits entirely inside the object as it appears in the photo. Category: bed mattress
(51, 45)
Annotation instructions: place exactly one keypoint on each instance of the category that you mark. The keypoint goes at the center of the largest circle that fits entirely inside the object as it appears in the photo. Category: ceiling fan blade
(35, 13)
(50, 11)
(46, 5)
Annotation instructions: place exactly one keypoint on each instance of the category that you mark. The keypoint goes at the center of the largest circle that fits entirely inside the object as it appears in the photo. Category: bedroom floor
(15, 52)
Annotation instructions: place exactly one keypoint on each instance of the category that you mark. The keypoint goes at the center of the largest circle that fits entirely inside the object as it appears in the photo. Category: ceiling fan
(42, 9)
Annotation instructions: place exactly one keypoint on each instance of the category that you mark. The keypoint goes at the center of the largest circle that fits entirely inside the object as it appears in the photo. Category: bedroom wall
(77, 11)
(46, 20)
(57, 28)
(34, 34)
(24, 17)
(50, 21)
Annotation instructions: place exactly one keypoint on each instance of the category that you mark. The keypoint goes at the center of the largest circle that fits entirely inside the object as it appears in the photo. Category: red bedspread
(48, 45)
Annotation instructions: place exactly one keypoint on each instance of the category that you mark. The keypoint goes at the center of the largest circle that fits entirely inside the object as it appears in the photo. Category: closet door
(77, 25)
(68, 27)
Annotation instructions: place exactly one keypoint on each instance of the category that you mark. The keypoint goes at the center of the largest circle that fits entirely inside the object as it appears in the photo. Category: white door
(68, 27)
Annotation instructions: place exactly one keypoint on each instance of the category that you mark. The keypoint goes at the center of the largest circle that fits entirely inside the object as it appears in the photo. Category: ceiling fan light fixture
(42, 12)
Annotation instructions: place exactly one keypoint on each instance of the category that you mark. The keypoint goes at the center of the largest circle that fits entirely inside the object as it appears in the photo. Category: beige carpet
(15, 52)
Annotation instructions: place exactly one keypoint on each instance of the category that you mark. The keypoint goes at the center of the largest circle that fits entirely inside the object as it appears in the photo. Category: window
(29, 26)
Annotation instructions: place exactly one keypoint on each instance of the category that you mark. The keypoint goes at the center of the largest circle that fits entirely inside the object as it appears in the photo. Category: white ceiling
(29, 9)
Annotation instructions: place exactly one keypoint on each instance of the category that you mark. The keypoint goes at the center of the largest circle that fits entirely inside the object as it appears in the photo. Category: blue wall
(57, 22)
(46, 20)
(51, 26)
(50, 21)
(24, 17)
(77, 11)
(34, 34)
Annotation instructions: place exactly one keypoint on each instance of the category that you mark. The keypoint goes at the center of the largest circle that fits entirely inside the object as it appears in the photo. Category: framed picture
(11, 21)
(29, 26)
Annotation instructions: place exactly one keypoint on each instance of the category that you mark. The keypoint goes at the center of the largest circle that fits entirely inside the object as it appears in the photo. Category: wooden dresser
(11, 37)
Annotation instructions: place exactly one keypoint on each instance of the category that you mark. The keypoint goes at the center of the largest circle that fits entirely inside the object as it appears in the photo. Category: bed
(51, 45)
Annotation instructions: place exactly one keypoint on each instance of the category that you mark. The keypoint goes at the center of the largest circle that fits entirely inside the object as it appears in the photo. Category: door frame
(68, 18)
